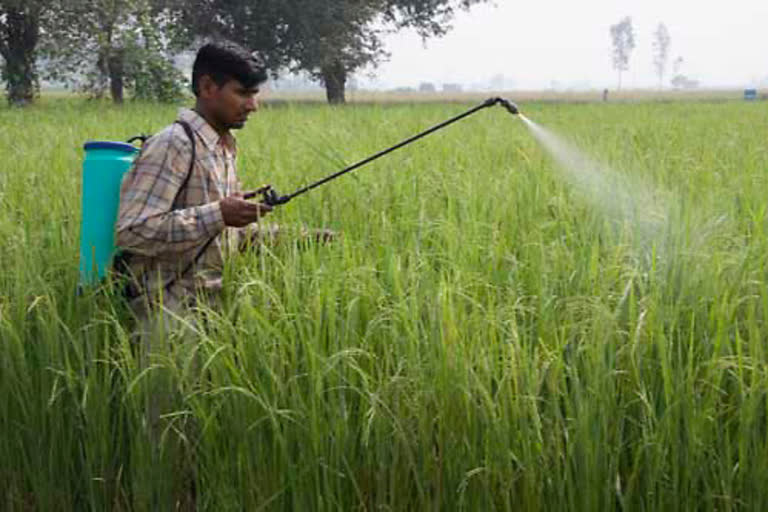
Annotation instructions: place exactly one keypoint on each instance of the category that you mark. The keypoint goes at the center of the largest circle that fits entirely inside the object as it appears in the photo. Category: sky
(566, 44)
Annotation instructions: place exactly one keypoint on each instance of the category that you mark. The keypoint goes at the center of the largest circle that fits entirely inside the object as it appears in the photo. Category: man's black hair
(224, 61)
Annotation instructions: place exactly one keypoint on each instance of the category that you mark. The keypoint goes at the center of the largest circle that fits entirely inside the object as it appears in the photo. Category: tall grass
(482, 337)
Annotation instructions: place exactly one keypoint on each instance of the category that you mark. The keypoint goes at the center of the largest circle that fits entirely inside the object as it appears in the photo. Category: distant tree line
(119, 45)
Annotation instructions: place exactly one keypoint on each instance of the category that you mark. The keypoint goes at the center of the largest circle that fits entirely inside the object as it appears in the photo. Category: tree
(20, 22)
(661, 43)
(623, 43)
(100, 44)
(334, 38)
(329, 39)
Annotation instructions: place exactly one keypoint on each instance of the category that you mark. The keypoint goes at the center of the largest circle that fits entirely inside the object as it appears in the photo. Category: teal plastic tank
(103, 169)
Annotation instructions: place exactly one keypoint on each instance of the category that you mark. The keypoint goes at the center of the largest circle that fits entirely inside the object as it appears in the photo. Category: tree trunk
(17, 45)
(335, 81)
(116, 69)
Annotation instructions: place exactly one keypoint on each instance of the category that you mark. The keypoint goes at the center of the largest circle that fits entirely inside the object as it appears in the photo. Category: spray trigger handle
(269, 196)
(272, 198)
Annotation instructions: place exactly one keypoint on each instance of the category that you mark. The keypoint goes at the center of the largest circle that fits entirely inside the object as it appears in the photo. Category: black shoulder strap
(142, 138)
(191, 135)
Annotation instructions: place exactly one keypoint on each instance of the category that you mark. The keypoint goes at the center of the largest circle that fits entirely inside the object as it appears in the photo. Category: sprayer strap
(193, 157)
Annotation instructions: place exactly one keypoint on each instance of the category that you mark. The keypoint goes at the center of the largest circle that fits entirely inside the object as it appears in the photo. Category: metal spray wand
(272, 198)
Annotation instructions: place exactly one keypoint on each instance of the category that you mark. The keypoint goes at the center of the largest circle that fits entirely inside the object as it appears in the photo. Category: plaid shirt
(163, 236)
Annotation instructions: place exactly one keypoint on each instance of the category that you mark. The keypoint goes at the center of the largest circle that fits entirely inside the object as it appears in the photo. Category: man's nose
(252, 104)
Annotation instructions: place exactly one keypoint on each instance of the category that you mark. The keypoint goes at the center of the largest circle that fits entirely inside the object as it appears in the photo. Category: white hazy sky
(536, 43)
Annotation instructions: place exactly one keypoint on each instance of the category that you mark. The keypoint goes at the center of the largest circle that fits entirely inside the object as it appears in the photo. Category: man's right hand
(237, 212)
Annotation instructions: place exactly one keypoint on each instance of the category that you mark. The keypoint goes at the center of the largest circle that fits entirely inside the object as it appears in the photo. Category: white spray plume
(625, 202)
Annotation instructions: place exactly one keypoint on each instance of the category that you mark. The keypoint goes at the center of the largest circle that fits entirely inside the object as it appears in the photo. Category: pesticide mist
(625, 203)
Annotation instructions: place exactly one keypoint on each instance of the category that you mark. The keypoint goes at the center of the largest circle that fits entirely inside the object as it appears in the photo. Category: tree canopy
(623, 39)
(330, 39)
(103, 44)
(112, 45)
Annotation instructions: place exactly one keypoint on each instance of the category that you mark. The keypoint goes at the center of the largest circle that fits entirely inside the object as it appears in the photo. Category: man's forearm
(170, 233)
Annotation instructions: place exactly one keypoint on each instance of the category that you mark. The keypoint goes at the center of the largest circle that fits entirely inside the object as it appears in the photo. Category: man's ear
(208, 87)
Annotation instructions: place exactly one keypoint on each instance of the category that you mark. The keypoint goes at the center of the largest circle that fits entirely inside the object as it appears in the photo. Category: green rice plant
(482, 337)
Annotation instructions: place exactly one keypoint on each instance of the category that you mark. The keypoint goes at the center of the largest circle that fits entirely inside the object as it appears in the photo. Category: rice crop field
(278, 95)
(489, 333)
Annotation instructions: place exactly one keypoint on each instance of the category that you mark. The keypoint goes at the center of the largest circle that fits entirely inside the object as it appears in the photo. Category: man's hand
(237, 212)
(271, 234)
(319, 236)
(325, 235)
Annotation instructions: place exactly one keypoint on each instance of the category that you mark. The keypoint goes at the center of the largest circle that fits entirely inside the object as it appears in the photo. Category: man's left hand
(324, 235)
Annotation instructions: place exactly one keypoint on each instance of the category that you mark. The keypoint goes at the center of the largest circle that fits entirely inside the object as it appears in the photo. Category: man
(181, 211)
(177, 219)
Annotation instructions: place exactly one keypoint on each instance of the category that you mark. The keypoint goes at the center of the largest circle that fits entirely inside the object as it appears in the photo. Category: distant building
(426, 87)
(452, 88)
(750, 94)
(499, 82)
(683, 82)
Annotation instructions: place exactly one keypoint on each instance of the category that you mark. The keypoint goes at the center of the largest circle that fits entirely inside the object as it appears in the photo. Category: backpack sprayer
(106, 162)
(272, 198)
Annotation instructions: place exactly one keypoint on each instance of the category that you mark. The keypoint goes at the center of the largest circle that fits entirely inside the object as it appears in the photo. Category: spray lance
(271, 197)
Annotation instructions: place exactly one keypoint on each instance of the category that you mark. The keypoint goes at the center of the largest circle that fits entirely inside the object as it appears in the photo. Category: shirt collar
(205, 131)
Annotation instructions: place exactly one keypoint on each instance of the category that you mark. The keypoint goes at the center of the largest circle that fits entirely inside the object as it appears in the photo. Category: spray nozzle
(511, 107)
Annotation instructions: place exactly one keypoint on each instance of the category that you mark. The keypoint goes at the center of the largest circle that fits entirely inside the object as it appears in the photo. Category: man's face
(231, 103)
